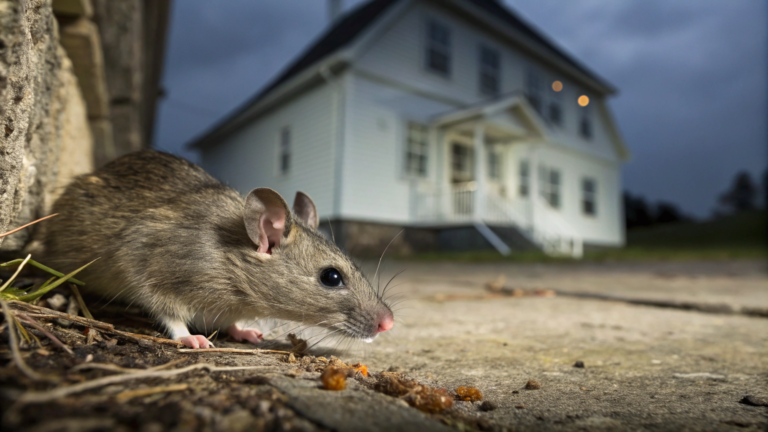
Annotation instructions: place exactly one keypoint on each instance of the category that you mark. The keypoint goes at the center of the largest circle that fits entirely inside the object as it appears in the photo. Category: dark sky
(692, 77)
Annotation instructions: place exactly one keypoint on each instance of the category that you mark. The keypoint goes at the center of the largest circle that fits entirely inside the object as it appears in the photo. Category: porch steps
(513, 238)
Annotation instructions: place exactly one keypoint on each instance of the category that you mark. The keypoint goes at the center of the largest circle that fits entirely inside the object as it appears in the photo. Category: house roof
(348, 27)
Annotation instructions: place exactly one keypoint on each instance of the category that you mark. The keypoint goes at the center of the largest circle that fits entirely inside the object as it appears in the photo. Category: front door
(462, 177)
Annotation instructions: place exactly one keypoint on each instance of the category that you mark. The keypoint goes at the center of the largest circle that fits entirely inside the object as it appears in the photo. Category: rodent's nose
(386, 322)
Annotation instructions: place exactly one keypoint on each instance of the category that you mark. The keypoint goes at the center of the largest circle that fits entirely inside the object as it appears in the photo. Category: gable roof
(348, 27)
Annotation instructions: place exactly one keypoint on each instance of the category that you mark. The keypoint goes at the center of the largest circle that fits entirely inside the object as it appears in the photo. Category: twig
(60, 392)
(18, 270)
(232, 350)
(80, 301)
(24, 226)
(41, 312)
(14, 344)
(47, 334)
(130, 394)
(116, 368)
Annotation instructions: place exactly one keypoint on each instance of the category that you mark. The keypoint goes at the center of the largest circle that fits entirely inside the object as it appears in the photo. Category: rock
(488, 406)
(579, 364)
(532, 385)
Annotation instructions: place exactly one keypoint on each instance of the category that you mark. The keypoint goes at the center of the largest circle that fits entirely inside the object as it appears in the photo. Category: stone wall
(79, 81)
(42, 113)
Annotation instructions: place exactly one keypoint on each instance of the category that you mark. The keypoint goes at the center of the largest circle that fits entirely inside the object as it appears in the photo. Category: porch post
(480, 163)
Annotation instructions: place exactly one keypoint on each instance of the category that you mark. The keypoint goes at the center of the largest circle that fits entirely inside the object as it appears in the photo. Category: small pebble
(488, 406)
(754, 401)
(532, 385)
(521, 406)
(515, 392)
(579, 364)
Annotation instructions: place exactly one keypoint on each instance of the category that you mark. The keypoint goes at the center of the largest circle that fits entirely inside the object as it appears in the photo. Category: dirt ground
(644, 367)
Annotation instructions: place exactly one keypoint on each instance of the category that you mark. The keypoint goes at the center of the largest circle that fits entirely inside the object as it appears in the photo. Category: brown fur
(172, 239)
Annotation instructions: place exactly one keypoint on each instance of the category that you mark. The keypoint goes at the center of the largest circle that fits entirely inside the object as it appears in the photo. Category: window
(494, 164)
(549, 186)
(462, 162)
(438, 54)
(490, 71)
(285, 150)
(555, 109)
(589, 196)
(533, 89)
(417, 147)
(524, 185)
(585, 123)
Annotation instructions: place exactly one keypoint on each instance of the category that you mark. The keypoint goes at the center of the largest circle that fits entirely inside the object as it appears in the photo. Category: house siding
(248, 158)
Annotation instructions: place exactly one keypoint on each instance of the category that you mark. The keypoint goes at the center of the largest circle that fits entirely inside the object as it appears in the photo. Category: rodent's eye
(331, 278)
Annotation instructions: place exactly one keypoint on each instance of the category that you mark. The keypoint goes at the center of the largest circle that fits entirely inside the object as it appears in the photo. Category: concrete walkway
(644, 367)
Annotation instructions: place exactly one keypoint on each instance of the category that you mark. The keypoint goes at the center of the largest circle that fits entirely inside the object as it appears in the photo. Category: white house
(453, 118)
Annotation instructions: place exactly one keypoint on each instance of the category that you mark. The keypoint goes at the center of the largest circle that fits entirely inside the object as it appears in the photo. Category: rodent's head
(310, 279)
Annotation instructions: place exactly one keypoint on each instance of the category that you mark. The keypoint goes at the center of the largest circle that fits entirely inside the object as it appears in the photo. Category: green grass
(740, 236)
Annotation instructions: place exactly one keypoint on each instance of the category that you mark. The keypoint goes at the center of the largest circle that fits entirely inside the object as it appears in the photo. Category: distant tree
(637, 212)
(742, 196)
(669, 213)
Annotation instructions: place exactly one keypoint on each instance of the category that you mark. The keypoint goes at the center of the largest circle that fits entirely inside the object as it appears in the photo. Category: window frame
(555, 100)
(549, 189)
(284, 153)
(586, 127)
(444, 48)
(533, 89)
(495, 160)
(589, 197)
(524, 178)
(409, 154)
(488, 70)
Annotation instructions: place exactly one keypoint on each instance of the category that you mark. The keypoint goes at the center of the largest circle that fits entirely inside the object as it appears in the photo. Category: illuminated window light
(557, 86)
(583, 100)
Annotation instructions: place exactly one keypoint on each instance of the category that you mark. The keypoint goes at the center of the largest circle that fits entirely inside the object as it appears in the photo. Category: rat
(194, 254)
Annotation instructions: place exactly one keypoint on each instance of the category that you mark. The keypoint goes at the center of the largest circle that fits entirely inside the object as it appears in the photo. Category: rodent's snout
(386, 322)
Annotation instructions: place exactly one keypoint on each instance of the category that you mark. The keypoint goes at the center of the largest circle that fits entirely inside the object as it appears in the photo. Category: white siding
(249, 158)
(374, 185)
(399, 55)
(607, 226)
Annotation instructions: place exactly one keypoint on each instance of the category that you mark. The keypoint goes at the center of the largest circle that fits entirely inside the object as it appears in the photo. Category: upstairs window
(490, 71)
(533, 90)
(585, 116)
(549, 186)
(417, 145)
(438, 49)
(285, 150)
(524, 182)
(589, 196)
(555, 109)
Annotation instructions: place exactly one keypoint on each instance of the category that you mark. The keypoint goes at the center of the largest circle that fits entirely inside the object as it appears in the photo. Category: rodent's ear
(305, 209)
(266, 216)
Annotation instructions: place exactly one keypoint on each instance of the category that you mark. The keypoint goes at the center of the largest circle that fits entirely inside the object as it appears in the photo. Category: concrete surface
(645, 368)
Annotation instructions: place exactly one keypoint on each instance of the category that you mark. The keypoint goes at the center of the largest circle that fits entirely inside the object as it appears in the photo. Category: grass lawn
(740, 236)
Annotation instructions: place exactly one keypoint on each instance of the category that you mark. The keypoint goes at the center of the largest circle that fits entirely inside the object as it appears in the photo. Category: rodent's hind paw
(241, 334)
(196, 341)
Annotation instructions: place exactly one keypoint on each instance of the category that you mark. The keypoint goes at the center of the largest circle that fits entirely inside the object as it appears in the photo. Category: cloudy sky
(692, 77)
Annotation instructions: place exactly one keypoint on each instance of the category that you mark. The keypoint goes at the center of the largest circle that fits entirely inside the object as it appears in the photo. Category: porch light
(557, 86)
(583, 100)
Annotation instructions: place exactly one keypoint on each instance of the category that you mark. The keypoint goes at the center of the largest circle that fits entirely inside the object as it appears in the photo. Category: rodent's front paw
(250, 335)
(196, 341)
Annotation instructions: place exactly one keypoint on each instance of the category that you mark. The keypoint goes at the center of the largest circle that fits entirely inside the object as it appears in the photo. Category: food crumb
(334, 379)
(521, 406)
(532, 385)
(469, 394)
(578, 364)
(359, 367)
(299, 344)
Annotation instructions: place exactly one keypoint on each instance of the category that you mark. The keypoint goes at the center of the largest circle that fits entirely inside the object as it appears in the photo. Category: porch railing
(550, 231)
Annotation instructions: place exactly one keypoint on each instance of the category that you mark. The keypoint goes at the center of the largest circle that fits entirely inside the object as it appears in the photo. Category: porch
(470, 188)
